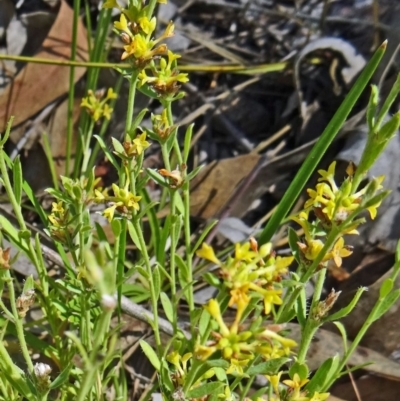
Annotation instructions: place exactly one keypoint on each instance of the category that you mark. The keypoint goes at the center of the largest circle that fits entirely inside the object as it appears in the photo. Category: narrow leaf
(151, 355)
(321, 146)
(17, 179)
(167, 306)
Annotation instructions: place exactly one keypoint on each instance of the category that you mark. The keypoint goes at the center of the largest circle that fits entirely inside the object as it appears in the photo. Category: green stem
(290, 297)
(71, 93)
(311, 325)
(86, 148)
(188, 246)
(41, 269)
(151, 6)
(18, 323)
(174, 241)
(131, 102)
(153, 297)
(89, 377)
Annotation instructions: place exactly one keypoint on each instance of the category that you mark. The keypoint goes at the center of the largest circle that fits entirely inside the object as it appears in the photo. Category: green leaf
(167, 306)
(17, 179)
(143, 272)
(267, 368)
(218, 363)
(397, 254)
(322, 375)
(107, 152)
(158, 178)
(187, 142)
(372, 107)
(193, 173)
(211, 279)
(293, 240)
(343, 333)
(61, 378)
(203, 324)
(151, 355)
(386, 304)
(301, 310)
(136, 122)
(204, 234)
(157, 281)
(346, 310)
(116, 227)
(300, 368)
(386, 288)
(133, 235)
(319, 149)
(205, 389)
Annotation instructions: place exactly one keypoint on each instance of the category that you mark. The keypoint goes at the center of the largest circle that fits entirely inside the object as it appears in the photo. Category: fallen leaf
(212, 189)
(36, 85)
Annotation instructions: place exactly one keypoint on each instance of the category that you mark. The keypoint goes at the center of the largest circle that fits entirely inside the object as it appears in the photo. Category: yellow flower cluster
(250, 273)
(241, 346)
(59, 219)
(96, 104)
(123, 201)
(294, 391)
(332, 205)
(136, 30)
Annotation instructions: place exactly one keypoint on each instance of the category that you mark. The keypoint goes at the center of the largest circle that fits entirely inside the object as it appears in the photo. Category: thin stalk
(131, 102)
(174, 241)
(290, 298)
(71, 93)
(41, 269)
(86, 147)
(188, 246)
(153, 298)
(18, 323)
(311, 325)
(90, 375)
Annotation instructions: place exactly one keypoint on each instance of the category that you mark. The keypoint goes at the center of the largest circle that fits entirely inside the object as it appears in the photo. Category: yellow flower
(122, 25)
(141, 143)
(319, 396)
(236, 367)
(207, 252)
(109, 212)
(243, 252)
(203, 352)
(272, 298)
(329, 175)
(148, 26)
(274, 380)
(340, 251)
(213, 309)
(296, 384)
(107, 110)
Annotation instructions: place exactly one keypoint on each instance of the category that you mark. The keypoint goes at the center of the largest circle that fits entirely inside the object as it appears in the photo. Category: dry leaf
(36, 85)
(212, 189)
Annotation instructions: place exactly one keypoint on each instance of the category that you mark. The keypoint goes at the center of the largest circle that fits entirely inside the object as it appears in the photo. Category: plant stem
(71, 93)
(311, 325)
(153, 298)
(18, 323)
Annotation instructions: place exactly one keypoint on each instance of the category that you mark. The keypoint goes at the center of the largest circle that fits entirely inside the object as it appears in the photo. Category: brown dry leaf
(36, 85)
(212, 189)
(57, 133)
